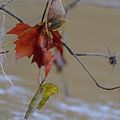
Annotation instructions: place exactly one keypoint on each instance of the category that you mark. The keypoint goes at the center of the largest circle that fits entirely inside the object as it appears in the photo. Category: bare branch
(45, 10)
(11, 14)
(93, 54)
(74, 55)
(112, 58)
(8, 12)
(67, 47)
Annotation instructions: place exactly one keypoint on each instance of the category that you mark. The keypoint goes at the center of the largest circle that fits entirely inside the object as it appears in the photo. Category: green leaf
(49, 89)
(33, 104)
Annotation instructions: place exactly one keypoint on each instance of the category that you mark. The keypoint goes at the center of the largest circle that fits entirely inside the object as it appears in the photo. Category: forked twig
(77, 58)
(43, 16)
(92, 54)
(111, 58)
(2, 52)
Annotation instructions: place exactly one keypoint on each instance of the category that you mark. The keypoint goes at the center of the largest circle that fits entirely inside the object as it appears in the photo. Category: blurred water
(14, 102)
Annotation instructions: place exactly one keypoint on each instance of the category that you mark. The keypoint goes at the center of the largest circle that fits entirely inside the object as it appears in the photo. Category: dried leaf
(56, 10)
(56, 14)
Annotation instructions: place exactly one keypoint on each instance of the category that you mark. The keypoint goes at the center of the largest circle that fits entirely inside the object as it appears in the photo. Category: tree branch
(79, 61)
(45, 10)
(66, 46)
(11, 14)
(8, 12)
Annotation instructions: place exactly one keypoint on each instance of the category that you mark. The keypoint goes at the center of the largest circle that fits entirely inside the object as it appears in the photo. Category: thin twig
(8, 12)
(92, 54)
(74, 55)
(6, 75)
(45, 11)
(112, 58)
(11, 14)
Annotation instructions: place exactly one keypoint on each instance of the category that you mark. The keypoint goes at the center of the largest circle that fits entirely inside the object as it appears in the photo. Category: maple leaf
(19, 29)
(43, 58)
(57, 40)
(26, 37)
(32, 41)
(36, 41)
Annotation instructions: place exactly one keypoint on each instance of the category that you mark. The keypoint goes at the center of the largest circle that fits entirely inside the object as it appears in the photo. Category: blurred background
(89, 28)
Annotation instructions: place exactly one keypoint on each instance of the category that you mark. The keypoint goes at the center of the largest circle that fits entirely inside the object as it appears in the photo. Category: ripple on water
(95, 111)
(14, 102)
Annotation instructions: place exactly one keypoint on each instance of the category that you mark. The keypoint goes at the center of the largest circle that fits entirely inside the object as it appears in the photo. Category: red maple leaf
(38, 40)
(26, 37)
(35, 41)
(57, 40)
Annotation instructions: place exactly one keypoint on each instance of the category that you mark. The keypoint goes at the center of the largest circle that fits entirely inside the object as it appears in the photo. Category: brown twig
(79, 61)
(43, 16)
(8, 12)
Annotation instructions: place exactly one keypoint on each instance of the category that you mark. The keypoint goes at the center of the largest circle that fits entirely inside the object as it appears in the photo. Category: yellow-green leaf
(48, 90)
(41, 96)
(34, 102)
